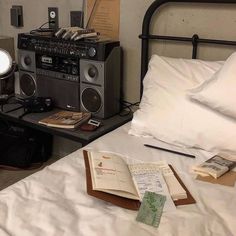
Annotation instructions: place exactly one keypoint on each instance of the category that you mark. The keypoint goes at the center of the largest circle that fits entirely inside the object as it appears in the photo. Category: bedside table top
(84, 137)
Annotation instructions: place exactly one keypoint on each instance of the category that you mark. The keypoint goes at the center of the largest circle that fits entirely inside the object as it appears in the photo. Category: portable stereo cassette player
(79, 75)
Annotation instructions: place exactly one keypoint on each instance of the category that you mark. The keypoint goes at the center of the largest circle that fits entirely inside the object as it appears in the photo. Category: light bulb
(5, 62)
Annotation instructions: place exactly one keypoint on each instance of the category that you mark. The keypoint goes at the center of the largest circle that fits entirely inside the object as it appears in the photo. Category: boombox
(79, 76)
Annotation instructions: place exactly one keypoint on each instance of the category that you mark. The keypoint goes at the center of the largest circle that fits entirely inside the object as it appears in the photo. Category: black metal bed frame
(195, 40)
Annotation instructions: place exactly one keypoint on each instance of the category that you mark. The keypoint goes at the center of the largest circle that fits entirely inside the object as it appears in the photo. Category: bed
(54, 201)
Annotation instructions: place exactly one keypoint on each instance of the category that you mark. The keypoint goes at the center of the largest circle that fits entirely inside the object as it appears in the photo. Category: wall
(218, 21)
(35, 13)
(183, 18)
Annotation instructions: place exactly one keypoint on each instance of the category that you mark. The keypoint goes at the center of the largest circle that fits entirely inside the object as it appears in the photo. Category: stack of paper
(175, 189)
(148, 177)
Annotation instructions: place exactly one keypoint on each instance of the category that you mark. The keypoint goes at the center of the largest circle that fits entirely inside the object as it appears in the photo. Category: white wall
(208, 20)
(217, 21)
(35, 14)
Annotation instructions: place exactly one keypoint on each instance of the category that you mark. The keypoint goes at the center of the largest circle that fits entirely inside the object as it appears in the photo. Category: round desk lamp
(7, 69)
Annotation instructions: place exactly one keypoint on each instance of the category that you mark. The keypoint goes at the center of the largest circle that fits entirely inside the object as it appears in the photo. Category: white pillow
(219, 92)
(167, 114)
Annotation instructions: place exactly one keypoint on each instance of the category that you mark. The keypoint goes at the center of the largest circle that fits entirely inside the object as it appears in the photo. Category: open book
(111, 174)
(66, 119)
(215, 166)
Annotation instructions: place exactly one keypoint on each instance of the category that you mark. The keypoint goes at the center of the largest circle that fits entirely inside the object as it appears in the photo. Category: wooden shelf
(83, 137)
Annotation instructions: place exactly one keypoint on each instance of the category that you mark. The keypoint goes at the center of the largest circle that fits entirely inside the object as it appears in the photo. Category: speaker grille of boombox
(100, 85)
(66, 94)
(27, 73)
(27, 84)
(94, 103)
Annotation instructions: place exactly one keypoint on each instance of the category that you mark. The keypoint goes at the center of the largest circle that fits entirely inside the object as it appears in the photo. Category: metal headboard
(195, 40)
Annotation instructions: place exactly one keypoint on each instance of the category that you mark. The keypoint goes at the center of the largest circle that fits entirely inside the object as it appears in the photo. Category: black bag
(22, 146)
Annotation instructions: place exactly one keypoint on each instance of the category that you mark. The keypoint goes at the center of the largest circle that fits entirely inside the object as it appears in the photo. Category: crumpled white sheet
(54, 201)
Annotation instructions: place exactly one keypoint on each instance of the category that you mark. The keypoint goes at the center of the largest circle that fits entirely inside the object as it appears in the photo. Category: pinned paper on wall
(104, 17)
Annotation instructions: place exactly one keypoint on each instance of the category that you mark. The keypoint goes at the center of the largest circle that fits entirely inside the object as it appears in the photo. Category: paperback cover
(66, 119)
(215, 166)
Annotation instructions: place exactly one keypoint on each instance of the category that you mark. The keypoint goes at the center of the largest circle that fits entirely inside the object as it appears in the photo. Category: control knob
(74, 70)
(27, 61)
(72, 52)
(92, 52)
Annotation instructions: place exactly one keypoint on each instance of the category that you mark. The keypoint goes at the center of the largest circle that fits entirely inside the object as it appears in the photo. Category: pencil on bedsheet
(172, 151)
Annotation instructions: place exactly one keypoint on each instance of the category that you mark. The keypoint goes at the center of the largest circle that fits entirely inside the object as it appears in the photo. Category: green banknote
(151, 209)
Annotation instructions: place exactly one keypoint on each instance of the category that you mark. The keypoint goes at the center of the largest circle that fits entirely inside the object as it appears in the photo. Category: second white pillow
(219, 92)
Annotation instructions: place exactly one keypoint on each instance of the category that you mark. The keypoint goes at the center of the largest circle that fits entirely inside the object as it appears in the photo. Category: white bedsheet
(54, 201)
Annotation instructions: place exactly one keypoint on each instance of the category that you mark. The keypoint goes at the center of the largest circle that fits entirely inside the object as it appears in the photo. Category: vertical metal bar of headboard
(145, 41)
(195, 44)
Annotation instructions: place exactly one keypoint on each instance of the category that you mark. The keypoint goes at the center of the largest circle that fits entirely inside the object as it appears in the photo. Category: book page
(175, 188)
(110, 173)
(149, 177)
(104, 17)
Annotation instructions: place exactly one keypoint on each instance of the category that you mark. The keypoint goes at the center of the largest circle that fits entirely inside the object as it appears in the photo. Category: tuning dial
(92, 52)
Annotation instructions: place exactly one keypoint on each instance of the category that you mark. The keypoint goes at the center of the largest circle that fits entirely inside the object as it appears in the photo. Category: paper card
(151, 209)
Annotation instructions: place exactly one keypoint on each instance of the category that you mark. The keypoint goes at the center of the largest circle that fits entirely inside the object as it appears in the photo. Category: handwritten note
(148, 177)
(104, 17)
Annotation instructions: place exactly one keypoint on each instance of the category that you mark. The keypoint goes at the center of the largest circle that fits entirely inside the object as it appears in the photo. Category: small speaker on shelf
(100, 85)
(53, 17)
(27, 73)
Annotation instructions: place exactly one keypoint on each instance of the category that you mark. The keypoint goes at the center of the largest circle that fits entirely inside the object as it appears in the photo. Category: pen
(168, 150)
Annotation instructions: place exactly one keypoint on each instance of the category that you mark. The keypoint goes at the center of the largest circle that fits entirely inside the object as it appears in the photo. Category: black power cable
(127, 108)
(41, 29)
